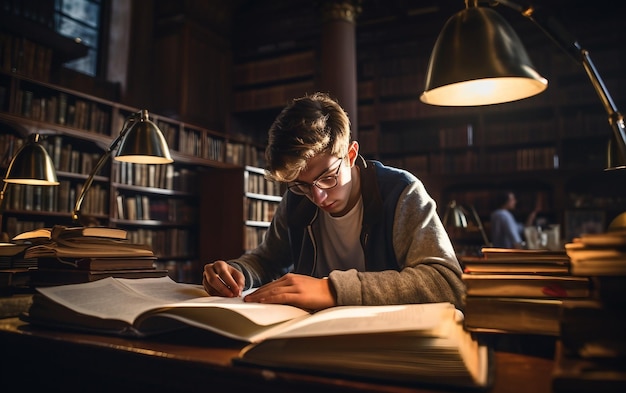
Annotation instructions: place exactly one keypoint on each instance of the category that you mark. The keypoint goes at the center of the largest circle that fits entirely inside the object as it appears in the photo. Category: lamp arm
(88, 182)
(97, 167)
(560, 36)
(480, 226)
(6, 175)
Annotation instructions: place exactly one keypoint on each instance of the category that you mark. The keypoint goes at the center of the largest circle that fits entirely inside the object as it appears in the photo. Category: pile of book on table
(519, 291)
(14, 267)
(591, 352)
(69, 255)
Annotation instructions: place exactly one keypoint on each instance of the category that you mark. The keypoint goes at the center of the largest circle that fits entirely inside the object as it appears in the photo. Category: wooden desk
(189, 361)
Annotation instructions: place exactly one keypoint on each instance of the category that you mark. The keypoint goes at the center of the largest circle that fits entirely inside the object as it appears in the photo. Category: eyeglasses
(323, 183)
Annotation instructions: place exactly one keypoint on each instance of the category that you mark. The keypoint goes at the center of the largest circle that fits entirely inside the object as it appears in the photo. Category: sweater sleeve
(270, 259)
(429, 270)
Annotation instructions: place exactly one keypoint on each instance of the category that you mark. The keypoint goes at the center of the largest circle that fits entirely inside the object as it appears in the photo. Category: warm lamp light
(140, 142)
(456, 216)
(31, 165)
(479, 60)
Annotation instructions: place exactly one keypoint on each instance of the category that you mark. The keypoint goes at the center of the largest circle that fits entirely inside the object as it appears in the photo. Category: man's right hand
(221, 279)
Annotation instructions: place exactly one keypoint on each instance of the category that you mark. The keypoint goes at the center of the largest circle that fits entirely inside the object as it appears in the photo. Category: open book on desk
(417, 342)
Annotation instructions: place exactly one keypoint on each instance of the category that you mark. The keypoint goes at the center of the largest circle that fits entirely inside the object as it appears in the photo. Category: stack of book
(519, 291)
(591, 352)
(69, 255)
(13, 267)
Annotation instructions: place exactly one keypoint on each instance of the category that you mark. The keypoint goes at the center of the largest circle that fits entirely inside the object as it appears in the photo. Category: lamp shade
(456, 220)
(32, 165)
(614, 158)
(455, 216)
(144, 143)
(478, 59)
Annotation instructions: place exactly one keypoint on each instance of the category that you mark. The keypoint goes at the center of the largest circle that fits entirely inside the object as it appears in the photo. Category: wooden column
(338, 55)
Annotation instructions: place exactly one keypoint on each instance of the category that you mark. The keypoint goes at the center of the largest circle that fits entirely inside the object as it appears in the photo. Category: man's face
(512, 201)
(320, 169)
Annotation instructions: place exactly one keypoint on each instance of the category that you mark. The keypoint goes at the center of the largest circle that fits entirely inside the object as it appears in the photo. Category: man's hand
(221, 279)
(297, 290)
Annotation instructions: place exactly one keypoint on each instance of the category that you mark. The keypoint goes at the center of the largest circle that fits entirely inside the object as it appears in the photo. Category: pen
(223, 282)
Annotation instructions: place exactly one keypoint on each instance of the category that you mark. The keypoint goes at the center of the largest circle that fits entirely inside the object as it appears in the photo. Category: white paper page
(106, 298)
(165, 289)
(260, 314)
(372, 319)
(125, 299)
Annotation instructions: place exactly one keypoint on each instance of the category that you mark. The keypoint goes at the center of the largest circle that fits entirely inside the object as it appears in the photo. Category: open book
(416, 343)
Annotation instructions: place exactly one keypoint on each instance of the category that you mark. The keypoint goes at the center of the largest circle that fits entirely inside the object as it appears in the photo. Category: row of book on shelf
(64, 109)
(55, 107)
(166, 177)
(146, 207)
(256, 183)
(254, 236)
(259, 210)
(59, 198)
(526, 159)
(25, 57)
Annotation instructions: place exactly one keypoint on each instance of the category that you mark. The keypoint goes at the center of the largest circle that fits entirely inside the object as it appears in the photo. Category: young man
(347, 232)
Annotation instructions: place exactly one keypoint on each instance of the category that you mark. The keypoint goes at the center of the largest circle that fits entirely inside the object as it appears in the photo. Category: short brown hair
(307, 127)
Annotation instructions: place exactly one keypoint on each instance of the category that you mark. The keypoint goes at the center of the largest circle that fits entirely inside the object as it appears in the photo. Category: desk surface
(190, 361)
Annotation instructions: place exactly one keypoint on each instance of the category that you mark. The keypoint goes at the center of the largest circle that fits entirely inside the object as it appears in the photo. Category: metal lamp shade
(455, 216)
(144, 143)
(614, 158)
(32, 165)
(478, 59)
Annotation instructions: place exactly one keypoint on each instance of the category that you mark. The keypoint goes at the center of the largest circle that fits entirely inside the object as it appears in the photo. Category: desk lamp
(140, 141)
(456, 217)
(31, 165)
(478, 59)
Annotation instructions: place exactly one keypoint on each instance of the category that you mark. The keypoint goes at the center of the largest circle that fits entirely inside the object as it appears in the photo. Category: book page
(130, 300)
(428, 318)
(165, 289)
(106, 298)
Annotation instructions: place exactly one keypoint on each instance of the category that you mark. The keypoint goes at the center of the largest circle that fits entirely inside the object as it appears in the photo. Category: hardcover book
(97, 263)
(418, 343)
(516, 261)
(513, 315)
(521, 255)
(591, 259)
(526, 285)
(555, 268)
(63, 232)
(43, 277)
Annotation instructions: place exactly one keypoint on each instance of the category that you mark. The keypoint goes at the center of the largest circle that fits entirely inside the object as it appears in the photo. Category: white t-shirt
(339, 247)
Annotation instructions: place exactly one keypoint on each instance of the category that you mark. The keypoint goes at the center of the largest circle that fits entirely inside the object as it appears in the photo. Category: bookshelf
(264, 82)
(157, 204)
(261, 198)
